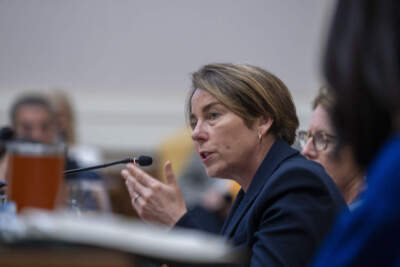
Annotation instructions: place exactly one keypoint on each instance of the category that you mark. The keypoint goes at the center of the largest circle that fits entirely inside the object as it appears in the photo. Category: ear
(264, 125)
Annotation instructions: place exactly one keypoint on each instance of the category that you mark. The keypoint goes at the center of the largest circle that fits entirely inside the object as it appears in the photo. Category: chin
(215, 172)
(212, 171)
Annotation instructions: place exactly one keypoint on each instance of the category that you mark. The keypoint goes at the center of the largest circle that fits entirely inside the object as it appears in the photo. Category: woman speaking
(244, 121)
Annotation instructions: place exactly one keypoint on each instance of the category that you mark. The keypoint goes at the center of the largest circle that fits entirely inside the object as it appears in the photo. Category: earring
(259, 136)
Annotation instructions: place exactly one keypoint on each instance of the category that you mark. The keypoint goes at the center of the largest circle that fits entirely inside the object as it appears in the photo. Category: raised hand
(153, 200)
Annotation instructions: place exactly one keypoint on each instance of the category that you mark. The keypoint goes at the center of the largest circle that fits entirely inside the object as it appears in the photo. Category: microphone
(141, 160)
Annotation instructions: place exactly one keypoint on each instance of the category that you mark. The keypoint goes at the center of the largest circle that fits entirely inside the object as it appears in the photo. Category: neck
(352, 189)
(260, 153)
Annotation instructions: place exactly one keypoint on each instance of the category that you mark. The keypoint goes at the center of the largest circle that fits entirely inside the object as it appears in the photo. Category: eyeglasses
(320, 139)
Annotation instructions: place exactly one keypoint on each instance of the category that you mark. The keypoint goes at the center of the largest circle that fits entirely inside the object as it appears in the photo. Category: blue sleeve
(369, 235)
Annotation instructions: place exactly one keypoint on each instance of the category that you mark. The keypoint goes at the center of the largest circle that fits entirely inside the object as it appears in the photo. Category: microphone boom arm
(128, 160)
(142, 160)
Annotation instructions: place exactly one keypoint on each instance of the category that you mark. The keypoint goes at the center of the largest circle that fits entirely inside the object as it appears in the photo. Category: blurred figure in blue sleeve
(362, 66)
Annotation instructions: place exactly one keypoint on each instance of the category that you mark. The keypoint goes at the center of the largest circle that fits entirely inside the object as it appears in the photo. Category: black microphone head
(6, 133)
(144, 160)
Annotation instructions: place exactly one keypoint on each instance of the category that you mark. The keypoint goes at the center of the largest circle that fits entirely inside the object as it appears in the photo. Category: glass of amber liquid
(35, 174)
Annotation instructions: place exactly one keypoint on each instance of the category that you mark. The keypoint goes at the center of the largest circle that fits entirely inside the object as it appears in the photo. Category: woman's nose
(199, 133)
(309, 150)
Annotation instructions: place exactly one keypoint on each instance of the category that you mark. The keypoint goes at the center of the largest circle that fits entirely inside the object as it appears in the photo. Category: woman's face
(225, 144)
(341, 168)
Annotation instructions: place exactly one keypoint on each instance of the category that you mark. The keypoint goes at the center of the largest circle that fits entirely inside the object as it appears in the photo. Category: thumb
(169, 174)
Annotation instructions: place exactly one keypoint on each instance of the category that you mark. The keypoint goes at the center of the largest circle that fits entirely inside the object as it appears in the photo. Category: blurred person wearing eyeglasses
(33, 118)
(319, 143)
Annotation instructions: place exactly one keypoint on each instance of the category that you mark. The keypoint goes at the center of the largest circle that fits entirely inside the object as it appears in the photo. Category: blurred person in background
(362, 67)
(244, 121)
(65, 116)
(6, 135)
(319, 143)
(33, 118)
(66, 122)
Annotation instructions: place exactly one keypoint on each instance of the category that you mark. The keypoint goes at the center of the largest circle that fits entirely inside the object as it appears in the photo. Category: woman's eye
(321, 137)
(213, 115)
(193, 124)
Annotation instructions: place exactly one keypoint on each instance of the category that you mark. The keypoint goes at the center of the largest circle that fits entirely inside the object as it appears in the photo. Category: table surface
(64, 255)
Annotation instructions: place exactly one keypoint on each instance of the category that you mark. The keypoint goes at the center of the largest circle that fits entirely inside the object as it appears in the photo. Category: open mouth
(205, 156)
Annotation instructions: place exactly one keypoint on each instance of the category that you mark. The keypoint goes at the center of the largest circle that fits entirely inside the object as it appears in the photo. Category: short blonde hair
(250, 92)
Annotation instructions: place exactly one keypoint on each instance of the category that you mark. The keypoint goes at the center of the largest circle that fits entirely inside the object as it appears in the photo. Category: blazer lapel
(279, 151)
(235, 206)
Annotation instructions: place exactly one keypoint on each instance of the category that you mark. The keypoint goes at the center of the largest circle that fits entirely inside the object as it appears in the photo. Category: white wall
(127, 64)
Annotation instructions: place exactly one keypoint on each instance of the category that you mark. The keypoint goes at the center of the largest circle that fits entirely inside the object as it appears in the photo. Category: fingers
(153, 200)
(141, 176)
(136, 198)
(169, 174)
(129, 184)
(138, 203)
(132, 193)
(135, 187)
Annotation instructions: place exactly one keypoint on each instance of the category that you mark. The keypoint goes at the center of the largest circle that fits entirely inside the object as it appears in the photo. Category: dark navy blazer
(286, 212)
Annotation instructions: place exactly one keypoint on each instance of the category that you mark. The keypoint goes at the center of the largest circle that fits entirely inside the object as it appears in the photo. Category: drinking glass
(86, 196)
(35, 174)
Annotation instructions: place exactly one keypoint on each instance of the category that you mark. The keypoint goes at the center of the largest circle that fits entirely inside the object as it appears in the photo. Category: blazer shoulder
(298, 172)
(301, 166)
